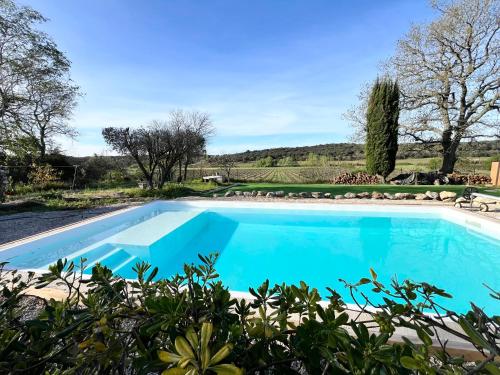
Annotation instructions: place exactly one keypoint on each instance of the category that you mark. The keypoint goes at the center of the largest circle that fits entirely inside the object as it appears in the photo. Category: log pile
(473, 179)
(359, 178)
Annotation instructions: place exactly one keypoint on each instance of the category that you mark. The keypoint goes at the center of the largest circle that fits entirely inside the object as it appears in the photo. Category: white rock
(447, 196)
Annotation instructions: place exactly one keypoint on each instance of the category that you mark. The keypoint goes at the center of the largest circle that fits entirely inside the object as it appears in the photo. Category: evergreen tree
(382, 128)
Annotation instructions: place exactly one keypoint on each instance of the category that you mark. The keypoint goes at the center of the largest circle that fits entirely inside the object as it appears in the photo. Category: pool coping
(467, 219)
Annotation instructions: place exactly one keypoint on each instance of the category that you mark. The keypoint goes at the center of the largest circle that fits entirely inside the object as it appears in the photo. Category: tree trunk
(42, 148)
(149, 180)
(449, 152)
(185, 170)
(179, 178)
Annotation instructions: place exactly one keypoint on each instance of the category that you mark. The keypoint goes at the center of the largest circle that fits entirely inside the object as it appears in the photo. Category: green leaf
(409, 362)
(175, 371)
(364, 281)
(422, 335)
(152, 275)
(475, 337)
(492, 368)
(183, 347)
(192, 338)
(221, 354)
(206, 333)
(226, 369)
(168, 357)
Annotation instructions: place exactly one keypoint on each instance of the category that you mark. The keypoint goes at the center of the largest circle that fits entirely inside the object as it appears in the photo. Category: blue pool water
(288, 246)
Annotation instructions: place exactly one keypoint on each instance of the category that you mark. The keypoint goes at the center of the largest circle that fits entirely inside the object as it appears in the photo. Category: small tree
(227, 163)
(382, 128)
(141, 144)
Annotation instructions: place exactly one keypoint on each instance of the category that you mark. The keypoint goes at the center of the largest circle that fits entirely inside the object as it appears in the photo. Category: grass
(89, 198)
(342, 189)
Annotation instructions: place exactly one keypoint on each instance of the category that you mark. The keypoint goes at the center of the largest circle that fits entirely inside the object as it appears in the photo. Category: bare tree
(197, 128)
(227, 163)
(448, 72)
(144, 145)
(37, 95)
(356, 115)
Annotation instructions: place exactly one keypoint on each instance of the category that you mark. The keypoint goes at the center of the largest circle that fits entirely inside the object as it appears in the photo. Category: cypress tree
(382, 128)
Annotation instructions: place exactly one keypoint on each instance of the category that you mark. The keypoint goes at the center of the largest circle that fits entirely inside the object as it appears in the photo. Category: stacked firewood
(359, 178)
(472, 179)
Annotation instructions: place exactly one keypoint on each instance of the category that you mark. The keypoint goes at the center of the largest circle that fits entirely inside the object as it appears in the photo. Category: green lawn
(342, 189)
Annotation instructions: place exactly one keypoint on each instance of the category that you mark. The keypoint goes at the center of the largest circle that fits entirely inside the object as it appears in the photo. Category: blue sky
(270, 72)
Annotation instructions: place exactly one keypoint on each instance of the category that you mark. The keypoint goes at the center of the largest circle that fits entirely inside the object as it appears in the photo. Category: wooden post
(495, 173)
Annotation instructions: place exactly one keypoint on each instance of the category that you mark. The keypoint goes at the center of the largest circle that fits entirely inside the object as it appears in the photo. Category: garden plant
(190, 324)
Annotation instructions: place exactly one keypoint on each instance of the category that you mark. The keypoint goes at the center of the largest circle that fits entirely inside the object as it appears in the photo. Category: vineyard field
(274, 174)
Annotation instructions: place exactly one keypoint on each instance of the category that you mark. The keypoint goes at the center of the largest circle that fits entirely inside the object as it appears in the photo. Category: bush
(168, 191)
(190, 324)
(434, 164)
(266, 162)
(287, 161)
(43, 175)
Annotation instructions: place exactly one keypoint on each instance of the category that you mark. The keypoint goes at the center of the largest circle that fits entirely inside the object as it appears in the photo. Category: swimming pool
(287, 242)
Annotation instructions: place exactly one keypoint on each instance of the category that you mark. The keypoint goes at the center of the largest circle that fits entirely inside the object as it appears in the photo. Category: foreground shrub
(190, 324)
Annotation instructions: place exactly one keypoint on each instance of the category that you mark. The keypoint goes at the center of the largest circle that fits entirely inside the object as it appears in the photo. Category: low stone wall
(444, 196)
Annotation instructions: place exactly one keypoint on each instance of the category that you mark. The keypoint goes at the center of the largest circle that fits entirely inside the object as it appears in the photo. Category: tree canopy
(382, 128)
(37, 95)
(159, 146)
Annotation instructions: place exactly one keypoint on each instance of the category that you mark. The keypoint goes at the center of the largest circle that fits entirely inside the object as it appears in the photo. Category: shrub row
(190, 324)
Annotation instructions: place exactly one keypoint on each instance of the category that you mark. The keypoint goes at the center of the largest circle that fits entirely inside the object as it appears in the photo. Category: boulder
(254, 193)
(338, 196)
(461, 200)
(349, 195)
(447, 196)
(238, 193)
(317, 194)
(304, 194)
(432, 195)
(261, 193)
(377, 195)
(247, 194)
(363, 195)
(389, 196)
(328, 195)
(293, 195)
(279, 193)
(229, 193)
(421, 197)
(402, 196)
(270, 195)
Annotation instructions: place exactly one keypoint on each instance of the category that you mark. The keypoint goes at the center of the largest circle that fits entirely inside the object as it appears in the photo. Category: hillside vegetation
(355, 151)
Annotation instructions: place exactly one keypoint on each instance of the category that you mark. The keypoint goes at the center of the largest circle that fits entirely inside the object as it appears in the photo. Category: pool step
(101, 259)
(128, 262)
(94, 255)
(114, 260)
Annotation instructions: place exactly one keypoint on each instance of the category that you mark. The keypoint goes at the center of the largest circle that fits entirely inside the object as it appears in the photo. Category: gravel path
(17, 226)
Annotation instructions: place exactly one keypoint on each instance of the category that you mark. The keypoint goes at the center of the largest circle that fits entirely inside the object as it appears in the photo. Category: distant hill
(354, 151)
(336, 151)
